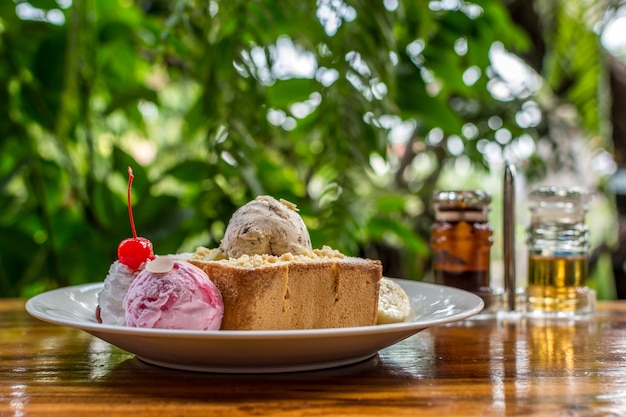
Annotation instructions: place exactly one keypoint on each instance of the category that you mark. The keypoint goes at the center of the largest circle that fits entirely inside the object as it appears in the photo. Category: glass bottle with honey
(461, 240)
(558, 244)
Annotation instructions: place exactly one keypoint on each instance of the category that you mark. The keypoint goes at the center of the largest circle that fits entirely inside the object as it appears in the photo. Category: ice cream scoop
(111, 298)
(266, 226)
(173, 294)
(393, 302)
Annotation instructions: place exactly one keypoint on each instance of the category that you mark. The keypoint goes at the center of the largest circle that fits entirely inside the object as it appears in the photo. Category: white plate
(251, 351)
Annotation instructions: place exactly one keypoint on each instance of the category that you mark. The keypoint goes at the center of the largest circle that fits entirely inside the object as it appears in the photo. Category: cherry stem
(130, 207)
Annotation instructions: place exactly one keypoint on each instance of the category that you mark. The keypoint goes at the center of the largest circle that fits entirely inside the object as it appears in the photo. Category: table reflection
(519, 358)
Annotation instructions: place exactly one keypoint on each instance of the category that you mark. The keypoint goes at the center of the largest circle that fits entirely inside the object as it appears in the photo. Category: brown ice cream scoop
(266, 226)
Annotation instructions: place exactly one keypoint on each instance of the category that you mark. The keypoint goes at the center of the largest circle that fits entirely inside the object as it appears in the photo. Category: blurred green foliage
(214, 102)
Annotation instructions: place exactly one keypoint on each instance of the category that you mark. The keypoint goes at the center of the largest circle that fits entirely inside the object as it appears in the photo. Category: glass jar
(558, 245)
(461, 240)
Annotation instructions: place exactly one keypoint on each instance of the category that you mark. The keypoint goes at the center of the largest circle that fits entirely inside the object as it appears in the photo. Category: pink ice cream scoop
(172, 294)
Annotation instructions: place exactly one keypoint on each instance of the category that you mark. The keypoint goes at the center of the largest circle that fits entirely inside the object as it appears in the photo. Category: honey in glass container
(461, 240)
(558, 242)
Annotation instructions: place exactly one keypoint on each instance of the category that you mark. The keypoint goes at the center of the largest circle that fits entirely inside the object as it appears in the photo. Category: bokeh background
(354, 110)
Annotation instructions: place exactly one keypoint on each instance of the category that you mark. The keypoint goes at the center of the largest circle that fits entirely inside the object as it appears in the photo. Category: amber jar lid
(461, 205)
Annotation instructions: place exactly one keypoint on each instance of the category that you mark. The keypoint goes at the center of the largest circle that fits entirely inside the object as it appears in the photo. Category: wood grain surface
(478, 367)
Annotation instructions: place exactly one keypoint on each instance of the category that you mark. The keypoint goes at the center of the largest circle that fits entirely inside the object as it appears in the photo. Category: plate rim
(213, 349)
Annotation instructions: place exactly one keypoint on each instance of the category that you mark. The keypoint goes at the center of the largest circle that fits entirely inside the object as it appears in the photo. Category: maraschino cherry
(134, 251)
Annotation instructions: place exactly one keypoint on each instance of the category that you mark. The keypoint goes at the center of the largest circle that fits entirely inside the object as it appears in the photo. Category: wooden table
(478, 367)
